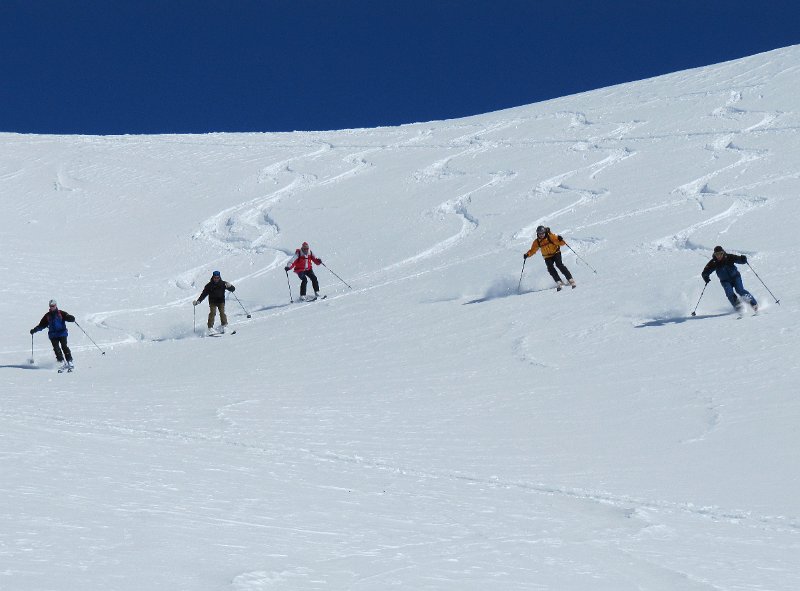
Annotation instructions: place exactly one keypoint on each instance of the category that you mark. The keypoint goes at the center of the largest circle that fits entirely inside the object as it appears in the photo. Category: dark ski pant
(736, 285)
(212, 314)
(304, 277)
(59, 345)
(553, 262)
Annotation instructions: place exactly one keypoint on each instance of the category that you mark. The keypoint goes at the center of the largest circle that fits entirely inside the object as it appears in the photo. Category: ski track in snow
(699, 190)
(556, 184)
(625, 517)
(628, 506)
(469, 223)
(248, 228)
(227, 229)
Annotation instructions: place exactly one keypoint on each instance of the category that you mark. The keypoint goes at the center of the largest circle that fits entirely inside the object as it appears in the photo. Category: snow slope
(428, 428)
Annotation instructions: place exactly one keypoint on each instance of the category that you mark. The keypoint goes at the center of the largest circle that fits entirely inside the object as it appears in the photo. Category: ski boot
(572, 283)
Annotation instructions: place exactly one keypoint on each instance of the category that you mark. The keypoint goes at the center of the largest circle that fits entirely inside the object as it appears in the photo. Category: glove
(560, 238)
(525, 256)
(194, 303)
(286, 269)
(744, 258)
(320, 261)
(33, 330)
(706, 279)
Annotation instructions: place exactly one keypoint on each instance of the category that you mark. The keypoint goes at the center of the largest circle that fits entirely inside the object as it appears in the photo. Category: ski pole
(777, 301)
(581, 259)
(90, 338)
(240, 303)
(694, 312)
(194, 318)
(31, 359)
(335, 275)
(291, 301)
(519, 286)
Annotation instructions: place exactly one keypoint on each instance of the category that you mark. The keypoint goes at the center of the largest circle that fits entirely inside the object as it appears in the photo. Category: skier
(551, 251)
(215, 290)
(724, 264)
(55, 321)
(301, 263)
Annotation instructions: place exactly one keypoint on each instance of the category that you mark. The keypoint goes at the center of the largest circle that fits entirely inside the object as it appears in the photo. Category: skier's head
(216, 275)
(52, 304)
(304, 247)
(719, 252)
(540, 231)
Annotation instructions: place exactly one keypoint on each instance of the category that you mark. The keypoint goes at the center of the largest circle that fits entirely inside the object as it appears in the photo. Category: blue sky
(196, 66)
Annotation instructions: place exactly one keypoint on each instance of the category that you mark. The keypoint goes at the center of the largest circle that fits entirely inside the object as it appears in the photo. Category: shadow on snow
(680, 319)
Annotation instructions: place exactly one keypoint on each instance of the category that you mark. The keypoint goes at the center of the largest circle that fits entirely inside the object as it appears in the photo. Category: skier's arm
(203, 294)
(534, 248)
(557, 239)
(291, 261)
(67, 316)
(41, 326)
(707, 270)
(739, 259)
(230, 286)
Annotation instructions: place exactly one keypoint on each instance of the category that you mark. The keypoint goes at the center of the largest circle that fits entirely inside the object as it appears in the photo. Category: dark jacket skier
(215, 291)
(724, 264)
(55, 321)
(550, 245)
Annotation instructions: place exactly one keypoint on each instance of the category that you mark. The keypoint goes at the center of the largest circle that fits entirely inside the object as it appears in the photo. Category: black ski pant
(59, 345)
(304, 277)
(553, 262)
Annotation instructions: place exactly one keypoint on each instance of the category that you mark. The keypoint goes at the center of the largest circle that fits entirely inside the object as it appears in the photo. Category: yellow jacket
(550, 245)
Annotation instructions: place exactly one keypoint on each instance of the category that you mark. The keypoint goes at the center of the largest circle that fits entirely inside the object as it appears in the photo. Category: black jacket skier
(215, 290)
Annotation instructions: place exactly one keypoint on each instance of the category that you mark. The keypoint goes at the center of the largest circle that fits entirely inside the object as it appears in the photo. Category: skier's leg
(314, 281)
(550, 263)
(730, 295)
(222, 317)
(745, 295)
(65, 348)
(562, 267)
(212, 314)
(57, 350)
(303, 283)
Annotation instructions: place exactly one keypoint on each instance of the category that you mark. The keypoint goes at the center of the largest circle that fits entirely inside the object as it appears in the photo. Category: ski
(309, 300)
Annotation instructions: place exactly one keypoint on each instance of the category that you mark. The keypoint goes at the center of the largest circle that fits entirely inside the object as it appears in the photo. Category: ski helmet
(304, 246)
(53, 304)
(540, 230)
(718, 249)
(216, 274)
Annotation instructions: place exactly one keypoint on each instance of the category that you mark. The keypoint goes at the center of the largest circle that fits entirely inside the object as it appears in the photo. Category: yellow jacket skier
(550, 244)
